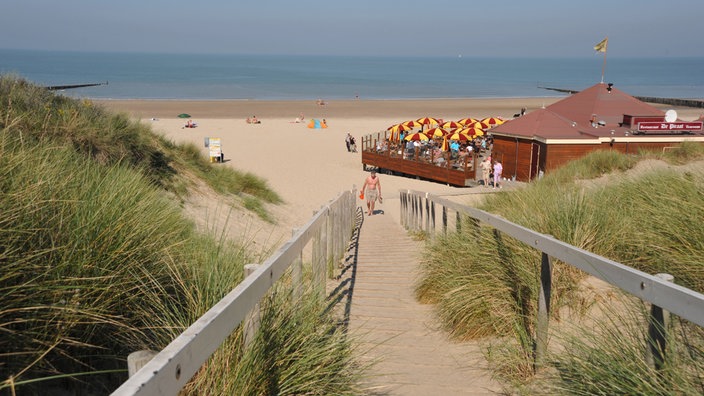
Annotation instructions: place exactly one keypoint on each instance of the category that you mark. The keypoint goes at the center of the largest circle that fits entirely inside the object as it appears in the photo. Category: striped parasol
(451, 125)
(458, 136)
(436, 132)
(479, 124)
(399, 128)
(471, 132)
(428, 121)
(417, 136)
(493, 121)
(467, 121)
(412, 124)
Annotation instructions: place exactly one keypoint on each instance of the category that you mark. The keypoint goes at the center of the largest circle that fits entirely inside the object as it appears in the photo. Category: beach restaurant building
(600, 117)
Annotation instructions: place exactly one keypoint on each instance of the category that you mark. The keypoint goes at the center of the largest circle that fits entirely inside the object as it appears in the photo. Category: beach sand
(307, 167)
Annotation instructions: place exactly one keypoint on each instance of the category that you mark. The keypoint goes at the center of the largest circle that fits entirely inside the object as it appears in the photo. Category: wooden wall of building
(516, 154)
(516, 157)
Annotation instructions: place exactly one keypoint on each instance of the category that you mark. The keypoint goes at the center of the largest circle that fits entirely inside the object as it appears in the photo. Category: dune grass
(609, 358)
(97, 262)
(486, 284)
(39, 117)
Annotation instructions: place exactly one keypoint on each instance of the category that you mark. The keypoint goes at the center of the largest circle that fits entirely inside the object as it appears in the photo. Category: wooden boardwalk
(413, 356)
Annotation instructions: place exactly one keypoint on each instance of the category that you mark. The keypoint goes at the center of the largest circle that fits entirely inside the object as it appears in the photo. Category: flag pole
(603, 66)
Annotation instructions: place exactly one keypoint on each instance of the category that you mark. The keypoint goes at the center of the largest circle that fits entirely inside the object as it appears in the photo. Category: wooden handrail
(171, 369)
(686, 303)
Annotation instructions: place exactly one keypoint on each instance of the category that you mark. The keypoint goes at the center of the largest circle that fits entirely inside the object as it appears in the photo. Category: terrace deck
(453, 171)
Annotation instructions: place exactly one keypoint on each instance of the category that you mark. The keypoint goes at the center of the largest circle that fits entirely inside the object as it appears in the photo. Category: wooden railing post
(253, 318)
(444, 220)
(137, 360)
(658, 326)
(402, 206)
(321, 270)
(432, 214)
(541, 328)
(316, 251)
(330, 239)
(297, 273)
(427, 213)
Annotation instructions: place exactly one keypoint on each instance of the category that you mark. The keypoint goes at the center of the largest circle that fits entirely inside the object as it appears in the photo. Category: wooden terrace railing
(393, 156)
(418, 213)
(329, 231)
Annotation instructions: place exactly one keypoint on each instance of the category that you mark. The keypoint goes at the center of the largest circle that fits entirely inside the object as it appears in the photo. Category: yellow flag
(601, 47)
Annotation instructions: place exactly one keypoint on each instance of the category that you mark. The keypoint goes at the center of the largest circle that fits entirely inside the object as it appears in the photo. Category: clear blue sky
(540, 28)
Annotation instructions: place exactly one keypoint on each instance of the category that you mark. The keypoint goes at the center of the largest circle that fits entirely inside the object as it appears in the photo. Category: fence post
(432, 213)
(137, 360)
(541, 328)
(402, 206)
(253, 318)
(444, 220)
(458, 221)
(330, 239)
(658, 326)
(321, 272)
(427, 213)
(315, 254)
(297, 272)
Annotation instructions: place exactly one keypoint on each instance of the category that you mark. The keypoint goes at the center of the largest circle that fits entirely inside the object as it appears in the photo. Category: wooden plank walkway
(413, 356)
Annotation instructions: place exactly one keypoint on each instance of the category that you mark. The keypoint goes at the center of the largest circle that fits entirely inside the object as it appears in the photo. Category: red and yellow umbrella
(479, 124)
(412, 124)
(428, 121)
(451, 125)
(493, 121)
(436, 132)
(417, 136)
(445, 144)
(399, 128)
(467, 121)
(458, 136)
(471, 132)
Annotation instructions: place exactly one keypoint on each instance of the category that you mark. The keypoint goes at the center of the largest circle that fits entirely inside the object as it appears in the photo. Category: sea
(312, 77)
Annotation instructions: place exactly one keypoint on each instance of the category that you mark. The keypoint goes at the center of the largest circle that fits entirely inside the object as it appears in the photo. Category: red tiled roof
(571, 118)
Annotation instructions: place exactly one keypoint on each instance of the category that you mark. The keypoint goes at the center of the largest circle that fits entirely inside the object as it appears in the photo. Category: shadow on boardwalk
(374, 294)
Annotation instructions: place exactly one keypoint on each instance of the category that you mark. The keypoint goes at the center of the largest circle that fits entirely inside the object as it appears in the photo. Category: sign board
(215, 148)
(670, 126)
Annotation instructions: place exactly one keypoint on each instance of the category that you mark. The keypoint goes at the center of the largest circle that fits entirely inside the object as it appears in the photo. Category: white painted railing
(329, 230)
(418, 214)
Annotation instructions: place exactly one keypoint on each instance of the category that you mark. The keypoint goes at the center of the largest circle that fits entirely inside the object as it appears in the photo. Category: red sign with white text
(670, 126)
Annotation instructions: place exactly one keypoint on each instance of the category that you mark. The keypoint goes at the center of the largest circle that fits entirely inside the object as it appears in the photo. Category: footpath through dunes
(413, 356)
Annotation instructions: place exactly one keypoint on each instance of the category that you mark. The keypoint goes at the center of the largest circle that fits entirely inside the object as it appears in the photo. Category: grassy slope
(485, 284)
(97, 262)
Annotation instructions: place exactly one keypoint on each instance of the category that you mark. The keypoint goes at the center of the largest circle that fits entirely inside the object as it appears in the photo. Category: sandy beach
(308, 167)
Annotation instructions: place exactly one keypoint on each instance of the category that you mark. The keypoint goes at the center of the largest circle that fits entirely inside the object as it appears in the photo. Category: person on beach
(348, 143)
(486, 170)
(372, 191)
(498, 169)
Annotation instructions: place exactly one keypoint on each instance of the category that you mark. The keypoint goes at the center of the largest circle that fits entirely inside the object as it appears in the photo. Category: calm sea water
(269, 77)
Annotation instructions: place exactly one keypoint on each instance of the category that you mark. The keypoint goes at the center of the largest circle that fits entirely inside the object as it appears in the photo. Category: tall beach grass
(96, 261)
(486, 285)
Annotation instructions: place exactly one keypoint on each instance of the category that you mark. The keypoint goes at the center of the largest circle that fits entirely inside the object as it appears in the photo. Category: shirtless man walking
(372, 191)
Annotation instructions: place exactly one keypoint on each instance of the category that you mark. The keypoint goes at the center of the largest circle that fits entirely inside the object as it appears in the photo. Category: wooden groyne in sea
(696, 103)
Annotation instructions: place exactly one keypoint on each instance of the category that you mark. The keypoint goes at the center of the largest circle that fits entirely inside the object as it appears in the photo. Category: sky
(490, 28)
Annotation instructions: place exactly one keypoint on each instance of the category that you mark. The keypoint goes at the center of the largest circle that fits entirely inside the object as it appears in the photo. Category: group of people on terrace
(458, 154)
